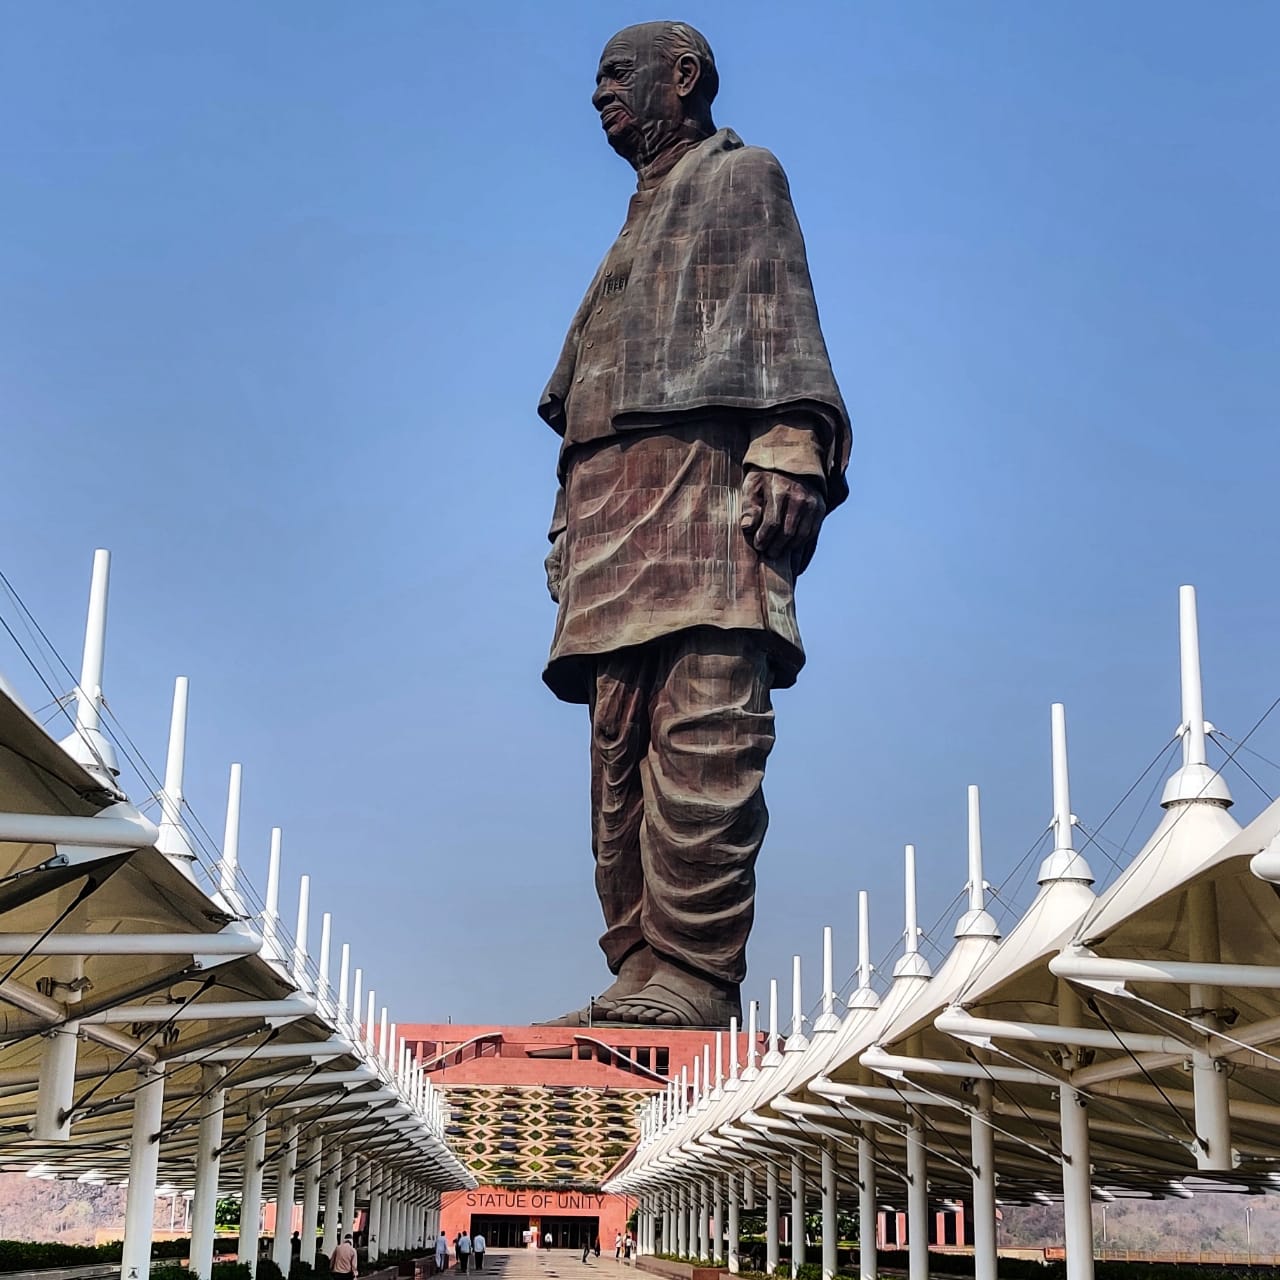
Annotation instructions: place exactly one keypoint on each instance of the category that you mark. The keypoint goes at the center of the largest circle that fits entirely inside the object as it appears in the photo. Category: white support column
(829, 1227)
(286, 1188)
(1208, 1074)
(917, 1197)
(704, 1243)
(311, 1174)
(735, 1230)
(1077, 1197)
(868, 1209)
(397, 1216)
(208, 1166)
(348, 1193)
(668, 1216)
(797, 1214)
(771, 1217)
(374, 1244)
(1065, 864)
(983, 1150)
(332, 1206)
(682, 1221)
(255, 1146)
(144, 1164)
(717, 1220)
(55, 1095)
(390, 1210)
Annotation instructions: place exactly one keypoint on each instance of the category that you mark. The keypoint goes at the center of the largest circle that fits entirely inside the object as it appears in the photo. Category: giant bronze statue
(704, 442)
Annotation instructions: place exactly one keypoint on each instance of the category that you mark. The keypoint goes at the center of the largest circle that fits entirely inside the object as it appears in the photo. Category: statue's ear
(688, 72)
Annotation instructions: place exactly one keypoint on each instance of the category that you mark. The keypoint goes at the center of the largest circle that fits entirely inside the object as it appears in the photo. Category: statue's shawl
(719, 309)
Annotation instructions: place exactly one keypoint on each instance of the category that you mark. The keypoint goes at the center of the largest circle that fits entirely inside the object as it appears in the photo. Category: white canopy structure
(161, 1024)
(1117, 1044)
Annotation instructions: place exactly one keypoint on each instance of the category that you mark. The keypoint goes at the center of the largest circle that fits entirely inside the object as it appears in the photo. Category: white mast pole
(271, 907)
(173, 842)
(228, 867)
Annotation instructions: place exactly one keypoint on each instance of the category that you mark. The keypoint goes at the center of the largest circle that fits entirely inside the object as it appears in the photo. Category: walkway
(542, 1264)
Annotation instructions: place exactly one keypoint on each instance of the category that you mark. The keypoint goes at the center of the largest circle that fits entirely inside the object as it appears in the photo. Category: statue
(704, 442)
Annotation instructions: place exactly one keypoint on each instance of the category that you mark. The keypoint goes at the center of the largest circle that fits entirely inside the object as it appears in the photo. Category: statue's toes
(658, 1005)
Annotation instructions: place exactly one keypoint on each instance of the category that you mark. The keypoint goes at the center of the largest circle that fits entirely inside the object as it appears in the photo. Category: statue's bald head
(656, 82)
(673, 41)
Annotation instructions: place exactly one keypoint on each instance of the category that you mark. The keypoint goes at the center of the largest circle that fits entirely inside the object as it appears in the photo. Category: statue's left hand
(781, 515)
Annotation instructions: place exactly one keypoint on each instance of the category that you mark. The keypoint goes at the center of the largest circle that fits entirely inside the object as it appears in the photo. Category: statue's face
(636, 95)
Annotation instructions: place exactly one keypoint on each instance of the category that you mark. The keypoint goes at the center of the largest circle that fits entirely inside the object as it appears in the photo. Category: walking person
(462, 1247)
(442, 1251)
(627, 1245)
(345, 1261)
(586, 1247)
(617, 1247)
(478, 1245)
(546, 1240)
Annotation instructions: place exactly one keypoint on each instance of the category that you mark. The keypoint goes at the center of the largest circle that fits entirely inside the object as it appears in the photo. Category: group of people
(469, 1248)
(622, 1247)
(465, 1248)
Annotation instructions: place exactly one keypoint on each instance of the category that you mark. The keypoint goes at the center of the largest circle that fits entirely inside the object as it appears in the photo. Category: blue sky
(282, 285)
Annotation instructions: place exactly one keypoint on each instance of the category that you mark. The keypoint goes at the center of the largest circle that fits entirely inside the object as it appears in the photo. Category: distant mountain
(68, 1212)
(73, 1212)
(1212, 1223)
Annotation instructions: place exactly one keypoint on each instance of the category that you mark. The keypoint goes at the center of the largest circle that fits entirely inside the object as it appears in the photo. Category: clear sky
(281, 286)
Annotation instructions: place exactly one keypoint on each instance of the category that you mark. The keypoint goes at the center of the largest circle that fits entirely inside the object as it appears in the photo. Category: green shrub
(30, 1255)
(267, 1269)
(170, 1248)
(231, 1271)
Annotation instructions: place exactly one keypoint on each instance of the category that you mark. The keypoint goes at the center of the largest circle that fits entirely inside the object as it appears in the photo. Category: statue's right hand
(554, 564)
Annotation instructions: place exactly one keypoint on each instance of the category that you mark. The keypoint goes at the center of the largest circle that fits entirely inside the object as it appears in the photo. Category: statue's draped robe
(696, 351)
(695, 355)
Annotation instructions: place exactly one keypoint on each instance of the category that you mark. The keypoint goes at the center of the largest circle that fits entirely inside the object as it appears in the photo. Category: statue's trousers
(681, 728)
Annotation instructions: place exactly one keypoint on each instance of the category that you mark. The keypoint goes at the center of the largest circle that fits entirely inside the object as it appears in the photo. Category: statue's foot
(633, 974)
(676, 998)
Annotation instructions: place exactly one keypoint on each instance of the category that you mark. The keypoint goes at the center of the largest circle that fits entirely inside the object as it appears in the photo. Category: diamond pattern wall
(539, 1135)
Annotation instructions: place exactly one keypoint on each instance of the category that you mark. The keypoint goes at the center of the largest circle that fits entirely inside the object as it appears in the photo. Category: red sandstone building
(542, 1115)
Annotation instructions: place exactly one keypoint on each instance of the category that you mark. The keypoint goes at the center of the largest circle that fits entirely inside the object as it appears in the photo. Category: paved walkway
(543, 1264)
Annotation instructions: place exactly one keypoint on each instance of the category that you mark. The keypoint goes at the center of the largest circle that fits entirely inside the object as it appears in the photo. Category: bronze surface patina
(704, 442)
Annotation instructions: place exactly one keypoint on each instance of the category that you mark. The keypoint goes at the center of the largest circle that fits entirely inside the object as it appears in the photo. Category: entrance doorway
(572, 1233)
(500, 1230)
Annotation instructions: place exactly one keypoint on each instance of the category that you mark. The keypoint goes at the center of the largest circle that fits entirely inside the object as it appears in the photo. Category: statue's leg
(711, 731)
(619, 737)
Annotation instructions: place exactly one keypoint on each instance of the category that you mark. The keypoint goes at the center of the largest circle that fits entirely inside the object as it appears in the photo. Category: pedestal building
(542, 1116)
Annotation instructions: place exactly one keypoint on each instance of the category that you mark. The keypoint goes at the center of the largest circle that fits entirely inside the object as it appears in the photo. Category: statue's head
(655, 83)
